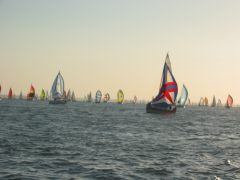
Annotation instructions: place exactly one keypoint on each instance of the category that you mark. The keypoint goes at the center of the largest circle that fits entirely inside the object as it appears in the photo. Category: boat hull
(154, 110)
(59, 101)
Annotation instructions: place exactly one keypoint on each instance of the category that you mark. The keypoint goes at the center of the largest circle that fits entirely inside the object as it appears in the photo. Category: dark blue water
(111, 141)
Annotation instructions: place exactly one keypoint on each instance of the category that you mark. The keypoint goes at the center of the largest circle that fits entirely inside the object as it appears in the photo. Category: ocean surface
(110, 141)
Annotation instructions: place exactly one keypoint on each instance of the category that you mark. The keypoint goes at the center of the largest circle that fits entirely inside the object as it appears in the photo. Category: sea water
(112, 141)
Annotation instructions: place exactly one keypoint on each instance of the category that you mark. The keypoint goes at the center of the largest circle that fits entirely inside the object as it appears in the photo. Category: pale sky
(113, 44)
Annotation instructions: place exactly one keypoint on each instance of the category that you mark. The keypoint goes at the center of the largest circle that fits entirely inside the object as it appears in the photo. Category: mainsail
(98, 96)
(205, 102)
(120, 96)
(214, 102)
(229, 101)
(183, 98)
(42, 95)
(168, 88)
(57, 91)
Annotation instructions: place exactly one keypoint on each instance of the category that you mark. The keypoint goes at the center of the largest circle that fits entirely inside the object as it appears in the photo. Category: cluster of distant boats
(164, 102)
(58, 94)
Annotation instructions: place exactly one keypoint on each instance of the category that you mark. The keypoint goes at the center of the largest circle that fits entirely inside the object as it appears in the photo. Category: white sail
(183, 98)
(57, 90)
(73, 99)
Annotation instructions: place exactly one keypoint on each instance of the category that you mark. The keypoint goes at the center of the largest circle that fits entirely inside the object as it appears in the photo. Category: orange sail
(229, 101)
(10, 93)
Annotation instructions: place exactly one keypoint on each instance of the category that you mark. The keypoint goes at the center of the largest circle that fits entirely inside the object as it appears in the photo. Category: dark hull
(151, 109)
(59, 101)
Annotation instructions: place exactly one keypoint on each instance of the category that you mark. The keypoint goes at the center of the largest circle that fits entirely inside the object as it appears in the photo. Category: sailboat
(229, 102)
(42, 95)
(98, 96)
(73, 99)
(120, 96)
(214, 103)
(10, 93)
(164, 102)
(106, 98)
(57, 91)
(31, 93)
(20, 96)
(135, 100)
(201, 102)
(69, 95)
(46, 95)
(205, 101)
(89, 97)
(183, 98)
(219, 103)
(0, 91)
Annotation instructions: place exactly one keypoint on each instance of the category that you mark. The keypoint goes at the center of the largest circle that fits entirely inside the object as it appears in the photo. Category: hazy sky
(112, 44)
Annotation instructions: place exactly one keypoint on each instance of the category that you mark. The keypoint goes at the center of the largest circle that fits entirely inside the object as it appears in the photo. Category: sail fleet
(164, 102)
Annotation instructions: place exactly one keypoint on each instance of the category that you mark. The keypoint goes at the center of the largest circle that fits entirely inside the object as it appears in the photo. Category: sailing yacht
(164, 102)
(106, 98)
(57, 91)
(229, 102)
(42, 95)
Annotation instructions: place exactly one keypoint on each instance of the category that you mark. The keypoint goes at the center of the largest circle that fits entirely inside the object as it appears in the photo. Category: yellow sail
(42, 95)
(120, 97)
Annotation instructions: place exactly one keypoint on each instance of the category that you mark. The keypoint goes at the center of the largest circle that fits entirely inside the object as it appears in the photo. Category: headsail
(229, 101)
(57, 90)
(98, 96)
(168, 89)
(120, 97)
(183, 98)
(205, 102)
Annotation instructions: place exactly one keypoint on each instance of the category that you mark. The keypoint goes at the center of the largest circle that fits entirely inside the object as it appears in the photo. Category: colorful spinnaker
(106, 98)
(183, 98)
(57, 91)
(120, 96)
(31, 93)
(10, 93)
(229, 101)
(42, 95)
(98, 96)
(214, 103)
(165, 100)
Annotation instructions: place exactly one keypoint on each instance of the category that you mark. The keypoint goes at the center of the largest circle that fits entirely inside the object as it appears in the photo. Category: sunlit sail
(98, 96)
(229, 102)
(183, 98)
